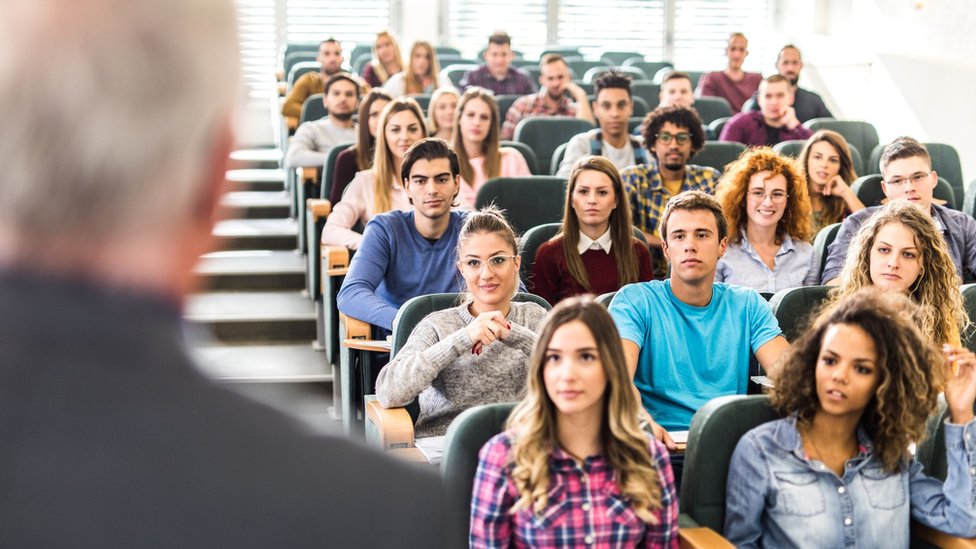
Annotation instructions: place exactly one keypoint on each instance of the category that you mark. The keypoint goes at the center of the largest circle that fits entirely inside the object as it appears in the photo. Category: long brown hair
(834, 207)
(414, 85)
(365, 142)
(621, 232)
(533, 421)
(384, 167)
(734, 185)
(908, 362)
(489, 147)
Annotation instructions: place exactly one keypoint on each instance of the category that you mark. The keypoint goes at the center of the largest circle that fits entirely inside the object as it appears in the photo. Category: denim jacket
(777, 497)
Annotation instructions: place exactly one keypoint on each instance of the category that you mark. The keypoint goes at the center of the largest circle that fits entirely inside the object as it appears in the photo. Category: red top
(551, 279)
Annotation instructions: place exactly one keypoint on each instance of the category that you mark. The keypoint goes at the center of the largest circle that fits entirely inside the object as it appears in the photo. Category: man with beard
(775, 121)
(807, 104)
(315, 138)
(672, 135)
(551, 100)
(310, 83)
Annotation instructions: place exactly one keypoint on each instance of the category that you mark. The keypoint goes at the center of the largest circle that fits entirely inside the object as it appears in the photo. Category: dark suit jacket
(109, 437)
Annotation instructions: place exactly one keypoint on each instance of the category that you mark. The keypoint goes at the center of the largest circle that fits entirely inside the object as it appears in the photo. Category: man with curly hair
(672, 135)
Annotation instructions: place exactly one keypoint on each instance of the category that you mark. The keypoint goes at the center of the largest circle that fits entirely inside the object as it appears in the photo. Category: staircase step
(292, 362)
(251, 270)
(254, 316)
(266, 158)
(255, 205)
(256, 179)
(256, 234)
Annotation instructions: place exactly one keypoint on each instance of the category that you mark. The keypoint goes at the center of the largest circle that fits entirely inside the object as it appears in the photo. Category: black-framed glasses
(680, 137)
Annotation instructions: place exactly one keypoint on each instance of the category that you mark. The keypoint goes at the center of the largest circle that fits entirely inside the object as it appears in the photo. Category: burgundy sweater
(551, 279)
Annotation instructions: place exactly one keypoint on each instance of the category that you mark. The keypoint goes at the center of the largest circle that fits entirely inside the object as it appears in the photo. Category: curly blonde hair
(941, 314)
(625, 445)
(907, 362)
(734, 185)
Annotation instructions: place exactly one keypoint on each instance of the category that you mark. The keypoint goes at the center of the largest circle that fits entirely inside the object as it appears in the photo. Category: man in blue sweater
(406, 254)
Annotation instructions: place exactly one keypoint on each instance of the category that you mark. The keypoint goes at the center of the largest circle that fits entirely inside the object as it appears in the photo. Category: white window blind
(702, 28)
(470, 22)
(347, 21)
(622, 25)
(256, 31)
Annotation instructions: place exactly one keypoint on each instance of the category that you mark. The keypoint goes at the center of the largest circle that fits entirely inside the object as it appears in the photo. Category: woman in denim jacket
(856, 391)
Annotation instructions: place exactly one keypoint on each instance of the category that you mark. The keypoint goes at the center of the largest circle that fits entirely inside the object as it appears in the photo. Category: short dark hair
(500, 38)
(685, 117)
(903, 147)
(691, 201)
(612, 79)
(341, 76)
(788, 47)
(776, 78)
(430, 148)
(330, 40)
(675, 75)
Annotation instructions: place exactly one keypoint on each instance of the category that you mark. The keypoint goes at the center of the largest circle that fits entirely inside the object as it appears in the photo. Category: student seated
(406, 253)
(732, 84)
(359, 157)
(558, 96)
(440, 112)
(595, 252)
(497, 73)
(808, 104)
(310, 83)
(386, 60)
(475, 353)
(855, 391)
(907, 171)
(676, 91)
(688, 339)
(421, 73)
(475, 139)
(829, 170)
(379, 189)
(573, 453)
(765, 201)
(775, 120)
(313, 140)
(899, 248)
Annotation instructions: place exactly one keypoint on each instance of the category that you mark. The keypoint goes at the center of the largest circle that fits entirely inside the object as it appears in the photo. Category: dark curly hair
(908, 364)
(684, 117)
(612, 79)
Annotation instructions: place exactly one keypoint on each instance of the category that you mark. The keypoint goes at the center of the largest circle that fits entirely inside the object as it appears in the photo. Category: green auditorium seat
(527, 201)
(868, 191)
(717, 154)
(712, 108)
(795, 308)
(527, 153)
(545, 133)
(857, 133)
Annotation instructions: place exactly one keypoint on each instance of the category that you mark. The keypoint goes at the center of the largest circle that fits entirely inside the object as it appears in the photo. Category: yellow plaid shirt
(648, 195)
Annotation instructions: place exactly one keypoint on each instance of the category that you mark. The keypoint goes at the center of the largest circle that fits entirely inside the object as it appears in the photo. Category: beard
(674, 166)
(341, 116)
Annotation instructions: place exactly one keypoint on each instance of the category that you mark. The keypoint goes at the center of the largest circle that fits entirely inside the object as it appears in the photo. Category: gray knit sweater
(437, 365)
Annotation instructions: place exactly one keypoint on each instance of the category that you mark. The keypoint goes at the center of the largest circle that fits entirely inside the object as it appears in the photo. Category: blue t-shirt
(690, 355)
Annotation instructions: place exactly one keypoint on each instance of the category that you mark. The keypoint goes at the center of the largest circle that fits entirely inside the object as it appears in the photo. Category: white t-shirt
(580, 146)
(313, 140)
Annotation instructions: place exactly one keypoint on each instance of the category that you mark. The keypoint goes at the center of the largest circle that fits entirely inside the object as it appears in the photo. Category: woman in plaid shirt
(574, 469)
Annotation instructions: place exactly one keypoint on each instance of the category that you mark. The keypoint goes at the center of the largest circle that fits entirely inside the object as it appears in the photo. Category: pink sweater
(513, 164)
(356, 206)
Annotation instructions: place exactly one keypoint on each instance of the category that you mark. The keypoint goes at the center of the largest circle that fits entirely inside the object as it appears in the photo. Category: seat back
(717, 154)
(635, 73)
(634, 123)
(715, 127)
(527, 201)
(292, 47)
(299, 69)
(545, 133)
(641, 108)
(313, 108)
(821, 242)
(711, 108)
(557, 158)
(328, 171)
(454, 73)
(527, 153)
(359, 62)
(294, 58)
(466, 435)
(531, 240)
(422, 99)
(615, 58)
(650, 68)
(969, 200)
(359, 50)
(446, 50)
(715, 431)
(648, 91)
(794, 147)
(579, 67)
(605, 299)
(946, 163)
(796, 308)
(505, 101)
(869, 192)
(858, 133)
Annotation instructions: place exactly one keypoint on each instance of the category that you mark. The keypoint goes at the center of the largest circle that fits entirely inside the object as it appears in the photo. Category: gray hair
(109, 112)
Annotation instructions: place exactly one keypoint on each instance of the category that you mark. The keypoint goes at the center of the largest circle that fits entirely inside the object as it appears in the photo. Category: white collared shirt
(602, 243)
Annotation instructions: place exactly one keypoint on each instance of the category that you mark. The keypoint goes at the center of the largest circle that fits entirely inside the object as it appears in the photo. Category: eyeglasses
(473, 265)
(680, 137)
(776, 196)
(914, 178)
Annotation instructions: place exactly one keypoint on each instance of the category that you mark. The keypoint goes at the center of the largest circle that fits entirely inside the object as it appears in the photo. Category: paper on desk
(432, 448)
(679, 437)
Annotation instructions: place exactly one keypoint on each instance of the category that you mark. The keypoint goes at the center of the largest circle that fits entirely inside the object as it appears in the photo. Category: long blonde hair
(489, 147)
(435, 98)
(412, 84)
(941, 313)
(625, 445)
(378, 67)
(621, 231)
(384, 166)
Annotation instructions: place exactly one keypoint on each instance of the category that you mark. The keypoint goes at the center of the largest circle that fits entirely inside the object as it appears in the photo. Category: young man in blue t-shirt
(688, 339)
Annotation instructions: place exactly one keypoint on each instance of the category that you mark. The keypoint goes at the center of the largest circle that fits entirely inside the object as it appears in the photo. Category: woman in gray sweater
(476, 353)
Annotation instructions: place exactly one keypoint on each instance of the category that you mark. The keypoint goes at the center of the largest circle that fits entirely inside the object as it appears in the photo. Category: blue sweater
(395, 263)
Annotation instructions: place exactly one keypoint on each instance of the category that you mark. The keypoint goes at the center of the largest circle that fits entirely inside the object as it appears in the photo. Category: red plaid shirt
(528, 106)
(585, 509)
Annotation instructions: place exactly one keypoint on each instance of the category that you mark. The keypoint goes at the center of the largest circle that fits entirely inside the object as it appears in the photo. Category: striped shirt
(585, 507)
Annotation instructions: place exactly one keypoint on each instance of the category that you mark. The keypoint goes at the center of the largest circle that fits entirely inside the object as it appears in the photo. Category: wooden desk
(349, 396)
